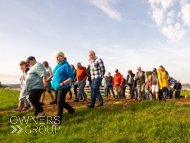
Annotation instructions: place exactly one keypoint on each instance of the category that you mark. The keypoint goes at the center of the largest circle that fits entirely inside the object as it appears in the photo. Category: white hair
(59, 53)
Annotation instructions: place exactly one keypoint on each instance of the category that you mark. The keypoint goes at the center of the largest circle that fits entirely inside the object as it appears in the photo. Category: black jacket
(88, 73)
(109, 81)
(177, 86)
(132, 78)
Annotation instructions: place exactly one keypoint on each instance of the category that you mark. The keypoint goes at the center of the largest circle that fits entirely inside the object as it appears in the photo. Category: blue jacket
(75, 78)
(61, 73)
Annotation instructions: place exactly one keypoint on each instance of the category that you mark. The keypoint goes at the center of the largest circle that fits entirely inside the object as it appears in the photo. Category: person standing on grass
(97, 70)
(177, 88)
(23, 94)
(170, 89)
(134, 88)
(36, 82)
(162, 80)
(89, 74)
(155, 87)
(49, 78)
(63, 75)
(109, 81)
(149, 87)
(129, 82)
(105, 86)
(141, 80)
(81, 78)
(117, 83)
(124, 87)
(73, 85)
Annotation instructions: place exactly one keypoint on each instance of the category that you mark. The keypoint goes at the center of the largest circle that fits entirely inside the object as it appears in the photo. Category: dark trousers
(177, 94)
(108, 90)
(34, 98)
(60, 100)
(123, 91)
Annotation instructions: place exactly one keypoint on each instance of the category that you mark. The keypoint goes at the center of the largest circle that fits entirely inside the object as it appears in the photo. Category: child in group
(24, 96)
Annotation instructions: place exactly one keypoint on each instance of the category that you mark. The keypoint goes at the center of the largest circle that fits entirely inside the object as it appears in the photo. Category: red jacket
(118, 80)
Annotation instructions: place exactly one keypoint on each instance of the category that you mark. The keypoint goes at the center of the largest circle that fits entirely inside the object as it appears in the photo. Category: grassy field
(147, 121)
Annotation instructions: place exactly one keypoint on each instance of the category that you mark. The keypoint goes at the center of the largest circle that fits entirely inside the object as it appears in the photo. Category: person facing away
(130, 81)
(36, 83)
(49, 79)
(81, 78)
(177, 88)
(141, 81)
(162, 81)
(97, 70)
(109, 82)
(63, 75)
(117, 83)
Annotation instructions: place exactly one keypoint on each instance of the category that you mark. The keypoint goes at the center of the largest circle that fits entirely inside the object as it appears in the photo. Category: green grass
(148, 121)
(185, 92)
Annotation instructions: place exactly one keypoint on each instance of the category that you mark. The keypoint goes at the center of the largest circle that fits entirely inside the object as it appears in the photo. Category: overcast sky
(124, 33)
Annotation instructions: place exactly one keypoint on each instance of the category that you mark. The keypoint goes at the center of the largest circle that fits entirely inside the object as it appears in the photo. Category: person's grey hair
(59, 53)
(92, 52)
(79, 64)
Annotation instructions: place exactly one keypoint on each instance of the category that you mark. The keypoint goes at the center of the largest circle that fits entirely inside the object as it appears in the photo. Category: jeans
(35, 95)
(105, 91)
(108, 90)
(95, 91)
(135, 91)
(148, 92)
(170, 93)
(60, 100)
(130, 88)
(81, 92)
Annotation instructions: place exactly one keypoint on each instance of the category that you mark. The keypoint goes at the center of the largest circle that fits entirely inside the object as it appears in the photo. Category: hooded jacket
(118, 80)
(163, 78)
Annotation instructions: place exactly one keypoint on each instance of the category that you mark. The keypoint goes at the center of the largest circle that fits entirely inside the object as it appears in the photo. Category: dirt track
(52, 109)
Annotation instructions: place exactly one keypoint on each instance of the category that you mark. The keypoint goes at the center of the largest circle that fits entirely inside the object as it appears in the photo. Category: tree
(148, 73)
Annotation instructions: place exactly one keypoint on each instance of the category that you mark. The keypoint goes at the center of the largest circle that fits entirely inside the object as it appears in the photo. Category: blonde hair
(149, 77)
(59, 53)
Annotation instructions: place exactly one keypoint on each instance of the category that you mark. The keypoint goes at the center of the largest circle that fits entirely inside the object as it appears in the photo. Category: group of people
(38, 78)
(156, 86)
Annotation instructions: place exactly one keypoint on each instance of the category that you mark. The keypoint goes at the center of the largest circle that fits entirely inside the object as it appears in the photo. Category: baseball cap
(30, 58)
(154, 69)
